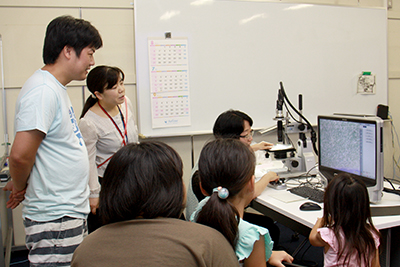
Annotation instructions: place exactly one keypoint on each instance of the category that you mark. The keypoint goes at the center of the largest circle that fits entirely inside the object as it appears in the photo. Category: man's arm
(22, 156)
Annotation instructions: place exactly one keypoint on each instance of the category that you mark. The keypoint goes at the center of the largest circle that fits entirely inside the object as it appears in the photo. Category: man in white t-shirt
(48, 159)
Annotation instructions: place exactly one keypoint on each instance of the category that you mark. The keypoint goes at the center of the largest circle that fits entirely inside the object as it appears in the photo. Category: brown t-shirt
(155, 242)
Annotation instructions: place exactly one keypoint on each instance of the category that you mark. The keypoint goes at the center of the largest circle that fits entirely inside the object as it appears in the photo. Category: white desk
(289, 214)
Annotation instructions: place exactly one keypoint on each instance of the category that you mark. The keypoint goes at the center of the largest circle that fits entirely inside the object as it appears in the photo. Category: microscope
(299, 158)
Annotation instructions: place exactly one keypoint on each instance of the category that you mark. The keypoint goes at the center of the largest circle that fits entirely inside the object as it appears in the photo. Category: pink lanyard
(124, 123)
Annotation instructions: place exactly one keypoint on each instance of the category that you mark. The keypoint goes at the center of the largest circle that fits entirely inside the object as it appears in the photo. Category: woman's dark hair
(346, 208)
(230, 124)
(99, 79)
(230, 164)
(142, 180)
(69, 31)
(196, 186)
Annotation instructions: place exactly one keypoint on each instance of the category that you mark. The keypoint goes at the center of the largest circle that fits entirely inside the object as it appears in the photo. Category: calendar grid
(169, 82)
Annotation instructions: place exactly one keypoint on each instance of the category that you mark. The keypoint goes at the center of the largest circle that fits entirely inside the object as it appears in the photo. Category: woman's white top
(102, 140)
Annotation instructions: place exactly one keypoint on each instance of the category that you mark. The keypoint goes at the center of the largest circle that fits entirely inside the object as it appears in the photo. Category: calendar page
(169, 82)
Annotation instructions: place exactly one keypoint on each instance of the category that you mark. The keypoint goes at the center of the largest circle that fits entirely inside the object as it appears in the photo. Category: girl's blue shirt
(248, 235)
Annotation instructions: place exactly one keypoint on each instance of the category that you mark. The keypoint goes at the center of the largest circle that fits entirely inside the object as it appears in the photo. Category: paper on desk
(286, 196)
(267, 166)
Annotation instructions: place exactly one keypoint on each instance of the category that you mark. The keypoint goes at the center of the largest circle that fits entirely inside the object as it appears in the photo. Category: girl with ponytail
(226, 170)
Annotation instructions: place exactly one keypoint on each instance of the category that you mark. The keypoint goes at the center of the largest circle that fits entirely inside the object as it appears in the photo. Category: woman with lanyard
(107, 124)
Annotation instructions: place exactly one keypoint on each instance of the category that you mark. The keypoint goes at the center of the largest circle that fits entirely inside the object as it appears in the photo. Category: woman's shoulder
(93, 123)
(192, 229)
(206, 241)
(190, 240)
(188, 225)
(203, 234)
(87, 120)
(96, 112)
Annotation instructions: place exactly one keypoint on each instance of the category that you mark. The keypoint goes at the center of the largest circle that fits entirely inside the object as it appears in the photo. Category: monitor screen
(352, 145)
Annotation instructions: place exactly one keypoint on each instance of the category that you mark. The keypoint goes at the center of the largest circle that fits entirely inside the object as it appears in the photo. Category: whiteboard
(240, 51)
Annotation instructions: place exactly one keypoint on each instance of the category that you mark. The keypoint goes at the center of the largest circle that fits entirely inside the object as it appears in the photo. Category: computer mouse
(310, 206)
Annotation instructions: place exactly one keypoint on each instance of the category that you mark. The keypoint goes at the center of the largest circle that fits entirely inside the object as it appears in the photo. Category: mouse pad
(286, 196)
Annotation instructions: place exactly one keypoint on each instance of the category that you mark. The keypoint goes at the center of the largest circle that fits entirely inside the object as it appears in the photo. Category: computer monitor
(352, 144)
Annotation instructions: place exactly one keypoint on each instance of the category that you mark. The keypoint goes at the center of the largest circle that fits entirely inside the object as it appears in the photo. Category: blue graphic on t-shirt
(75, 126)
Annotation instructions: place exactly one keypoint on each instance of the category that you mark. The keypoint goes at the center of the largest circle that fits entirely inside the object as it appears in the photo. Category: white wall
(22, 26)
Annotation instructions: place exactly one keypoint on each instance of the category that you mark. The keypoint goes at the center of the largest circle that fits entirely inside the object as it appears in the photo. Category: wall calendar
(169, 82)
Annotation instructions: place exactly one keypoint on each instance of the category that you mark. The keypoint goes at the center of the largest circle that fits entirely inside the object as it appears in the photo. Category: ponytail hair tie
(223, 193)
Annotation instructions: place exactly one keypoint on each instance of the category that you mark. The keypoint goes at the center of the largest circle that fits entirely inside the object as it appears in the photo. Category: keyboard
(308, 192)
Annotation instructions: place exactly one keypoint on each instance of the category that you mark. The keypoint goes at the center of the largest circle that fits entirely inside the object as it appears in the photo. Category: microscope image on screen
(353, 145)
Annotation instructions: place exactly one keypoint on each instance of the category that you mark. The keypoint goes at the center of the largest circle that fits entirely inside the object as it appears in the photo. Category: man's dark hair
(69, 31)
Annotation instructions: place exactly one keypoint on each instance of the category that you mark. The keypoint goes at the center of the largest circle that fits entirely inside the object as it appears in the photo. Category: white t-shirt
(58, 183)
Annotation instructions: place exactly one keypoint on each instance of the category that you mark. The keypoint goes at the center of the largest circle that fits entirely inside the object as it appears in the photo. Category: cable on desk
(313, 167)
(308, 181)
(297, 179)
(390, 182)
(393, 190)
(302, 175)
(310, 189)
(306, 174)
